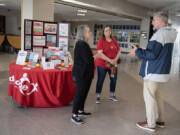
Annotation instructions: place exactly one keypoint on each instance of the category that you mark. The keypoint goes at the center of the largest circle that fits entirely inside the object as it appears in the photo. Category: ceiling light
(79, 14)
(82, 10)
(1, 4)
(79, 3)
(178, 15)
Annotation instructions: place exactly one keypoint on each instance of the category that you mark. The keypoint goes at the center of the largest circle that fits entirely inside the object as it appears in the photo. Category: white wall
(11, 24)
(145, 27)
(175, 69)
(43, 10)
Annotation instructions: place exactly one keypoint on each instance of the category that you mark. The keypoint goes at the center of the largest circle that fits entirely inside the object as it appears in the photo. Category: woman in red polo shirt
(110, 53)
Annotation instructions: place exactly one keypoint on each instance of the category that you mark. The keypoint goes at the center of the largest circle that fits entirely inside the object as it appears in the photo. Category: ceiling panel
(154, 4)
(11, 4)
(70, 13)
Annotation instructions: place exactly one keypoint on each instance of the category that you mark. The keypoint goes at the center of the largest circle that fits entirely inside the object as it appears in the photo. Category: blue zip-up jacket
(156, 58)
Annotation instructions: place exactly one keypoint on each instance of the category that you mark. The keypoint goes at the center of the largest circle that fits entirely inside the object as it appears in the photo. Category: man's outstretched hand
(132, 53)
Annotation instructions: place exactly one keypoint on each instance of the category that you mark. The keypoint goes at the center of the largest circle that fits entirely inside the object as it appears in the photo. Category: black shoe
(84, 114)
(98, 100)
(76, 120)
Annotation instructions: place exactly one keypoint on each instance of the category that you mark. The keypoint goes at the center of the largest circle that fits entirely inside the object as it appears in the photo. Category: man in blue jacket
(155, 69)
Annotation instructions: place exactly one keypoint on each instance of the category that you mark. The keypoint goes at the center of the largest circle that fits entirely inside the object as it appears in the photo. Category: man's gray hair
(81, 32)
(163, 15)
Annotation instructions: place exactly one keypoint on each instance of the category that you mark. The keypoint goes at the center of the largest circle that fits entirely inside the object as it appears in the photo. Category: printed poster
(51, 40)
(38, 28)
(63, 41)
(50, 28)
(38, 50)
(27, 43)
(63, 29)
(39, 41)
(28, 26)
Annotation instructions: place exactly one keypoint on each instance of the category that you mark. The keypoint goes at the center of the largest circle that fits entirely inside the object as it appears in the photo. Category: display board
(39, 35)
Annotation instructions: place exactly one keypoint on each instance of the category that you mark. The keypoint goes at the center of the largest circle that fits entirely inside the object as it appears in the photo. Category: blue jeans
(101, 76)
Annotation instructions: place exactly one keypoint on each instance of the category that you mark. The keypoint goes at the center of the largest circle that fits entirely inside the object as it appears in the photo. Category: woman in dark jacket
(83, 71)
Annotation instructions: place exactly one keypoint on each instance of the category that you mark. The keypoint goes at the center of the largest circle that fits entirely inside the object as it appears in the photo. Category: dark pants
(101, 76)
(82, 89)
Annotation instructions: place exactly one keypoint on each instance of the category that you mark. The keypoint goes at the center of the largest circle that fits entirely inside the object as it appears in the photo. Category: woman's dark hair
(103, 36)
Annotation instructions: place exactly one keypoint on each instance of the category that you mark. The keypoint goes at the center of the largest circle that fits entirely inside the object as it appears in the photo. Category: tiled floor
(108, 118)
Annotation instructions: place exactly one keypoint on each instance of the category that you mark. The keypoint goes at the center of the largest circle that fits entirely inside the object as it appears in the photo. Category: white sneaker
(113, 98)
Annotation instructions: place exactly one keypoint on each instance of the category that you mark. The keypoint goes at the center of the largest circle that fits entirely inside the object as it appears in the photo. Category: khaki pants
(153, 102)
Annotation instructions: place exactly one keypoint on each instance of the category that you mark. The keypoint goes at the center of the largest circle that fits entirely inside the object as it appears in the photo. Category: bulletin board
(39, 35)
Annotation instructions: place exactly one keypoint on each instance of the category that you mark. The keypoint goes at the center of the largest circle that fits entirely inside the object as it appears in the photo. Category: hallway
(108, 118)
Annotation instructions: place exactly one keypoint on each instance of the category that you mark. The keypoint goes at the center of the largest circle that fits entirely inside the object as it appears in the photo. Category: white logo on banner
(23, 87)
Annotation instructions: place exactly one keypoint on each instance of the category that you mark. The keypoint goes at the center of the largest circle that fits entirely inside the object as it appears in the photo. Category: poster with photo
(38, 50)
(50, 28)
(51, 40)
(39, 41)
(38, 28)
(28, 26)
(63, 41)
(63, 29)
(27, 43)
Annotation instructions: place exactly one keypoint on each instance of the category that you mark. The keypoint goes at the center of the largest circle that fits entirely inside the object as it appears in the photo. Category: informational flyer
(38, 50)
(33, 57)
(50, 28)
(39, 41)
(51, 40)
(48, 65)
(63, 41)
(53, 51)
(27, 43)
(21, 58)
(28, 26)
(38, 28)
(63, 29)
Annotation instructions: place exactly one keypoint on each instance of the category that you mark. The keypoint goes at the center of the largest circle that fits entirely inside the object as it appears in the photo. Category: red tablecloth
(41, 88)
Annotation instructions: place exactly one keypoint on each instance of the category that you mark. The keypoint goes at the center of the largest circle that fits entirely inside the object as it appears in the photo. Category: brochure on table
(55, 58)
(21, 58)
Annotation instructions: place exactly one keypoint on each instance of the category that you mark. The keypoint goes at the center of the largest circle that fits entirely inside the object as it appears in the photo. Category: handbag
(119, 61)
